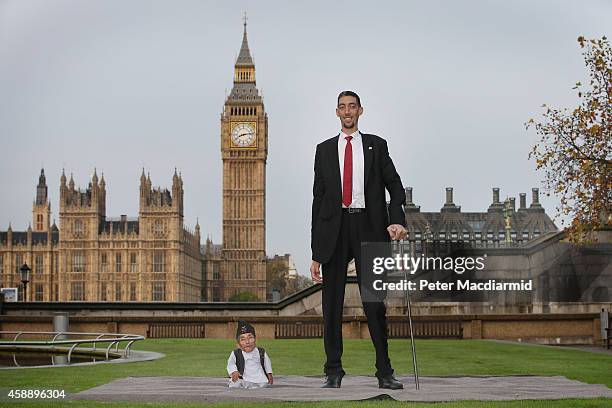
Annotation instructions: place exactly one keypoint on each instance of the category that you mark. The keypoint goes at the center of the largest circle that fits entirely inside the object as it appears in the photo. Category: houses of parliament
(154, 257)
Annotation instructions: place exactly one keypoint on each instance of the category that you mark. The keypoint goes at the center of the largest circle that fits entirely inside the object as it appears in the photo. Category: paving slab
(354, 388)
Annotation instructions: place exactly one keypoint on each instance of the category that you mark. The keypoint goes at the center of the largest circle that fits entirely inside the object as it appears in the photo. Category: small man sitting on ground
(248, 366)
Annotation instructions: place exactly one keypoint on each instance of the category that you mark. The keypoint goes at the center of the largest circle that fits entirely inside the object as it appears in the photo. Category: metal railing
(114, 339)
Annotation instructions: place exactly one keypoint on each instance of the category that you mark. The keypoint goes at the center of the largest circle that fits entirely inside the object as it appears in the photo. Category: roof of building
(244, 58)
(21, 237)
(450, 223)
(120, 226)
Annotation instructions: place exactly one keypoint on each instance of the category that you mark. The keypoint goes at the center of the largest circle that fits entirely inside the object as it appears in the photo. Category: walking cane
(407, 292)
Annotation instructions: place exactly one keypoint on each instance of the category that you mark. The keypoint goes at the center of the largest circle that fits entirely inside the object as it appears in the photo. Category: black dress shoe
(390, 382)
(332, 381)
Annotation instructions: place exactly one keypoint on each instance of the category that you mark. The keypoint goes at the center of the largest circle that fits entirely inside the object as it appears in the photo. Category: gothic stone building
(91, 257)
(239, 264)
(478, 229)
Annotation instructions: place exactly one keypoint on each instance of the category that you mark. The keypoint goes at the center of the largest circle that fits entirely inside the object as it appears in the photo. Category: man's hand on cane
(315, 272)
(397, 232)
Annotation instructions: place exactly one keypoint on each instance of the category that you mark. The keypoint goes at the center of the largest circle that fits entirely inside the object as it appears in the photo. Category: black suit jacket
(380, 174)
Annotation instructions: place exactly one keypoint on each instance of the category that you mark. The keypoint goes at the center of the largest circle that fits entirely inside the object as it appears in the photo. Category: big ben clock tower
(244, 149)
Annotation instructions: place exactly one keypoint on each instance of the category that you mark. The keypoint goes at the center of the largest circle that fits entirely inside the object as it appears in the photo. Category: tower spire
(244, 89)
(41, 189)
(244, 57)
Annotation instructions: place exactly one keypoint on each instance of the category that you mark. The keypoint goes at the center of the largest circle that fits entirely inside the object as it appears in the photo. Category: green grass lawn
(207, 357)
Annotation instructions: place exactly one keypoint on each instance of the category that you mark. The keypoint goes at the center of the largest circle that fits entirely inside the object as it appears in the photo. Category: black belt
(353, 210)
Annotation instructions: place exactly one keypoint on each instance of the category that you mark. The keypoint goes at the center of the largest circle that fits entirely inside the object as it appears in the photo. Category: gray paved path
(297, 388)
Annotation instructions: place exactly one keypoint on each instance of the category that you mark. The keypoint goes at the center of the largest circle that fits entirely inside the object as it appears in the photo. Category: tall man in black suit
(351, 172)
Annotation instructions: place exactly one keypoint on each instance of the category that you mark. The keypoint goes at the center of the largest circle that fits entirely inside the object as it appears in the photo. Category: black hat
(244, 328)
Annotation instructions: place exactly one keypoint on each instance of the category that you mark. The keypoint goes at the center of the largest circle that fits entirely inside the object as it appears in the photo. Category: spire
(244, 89)
(143, 178)
(94, 178)
(102, 182)
(71, 182)
(244, 58)
(41, 189)
(63, 178)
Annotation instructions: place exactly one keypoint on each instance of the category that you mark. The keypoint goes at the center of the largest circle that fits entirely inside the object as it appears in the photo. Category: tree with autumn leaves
(575, 147)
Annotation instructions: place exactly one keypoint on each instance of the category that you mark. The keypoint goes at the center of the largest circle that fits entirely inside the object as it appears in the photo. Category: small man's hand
(397, 232)
(315, 272)
(270, 379)
(235, 376)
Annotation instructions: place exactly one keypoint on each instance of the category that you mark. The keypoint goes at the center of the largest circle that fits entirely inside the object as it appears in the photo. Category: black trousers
(355, 227)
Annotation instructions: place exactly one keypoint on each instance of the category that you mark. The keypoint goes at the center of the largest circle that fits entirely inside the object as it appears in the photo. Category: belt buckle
(352, 210)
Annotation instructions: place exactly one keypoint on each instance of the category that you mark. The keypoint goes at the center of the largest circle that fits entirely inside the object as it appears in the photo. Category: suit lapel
(368, 156)
(336, 166)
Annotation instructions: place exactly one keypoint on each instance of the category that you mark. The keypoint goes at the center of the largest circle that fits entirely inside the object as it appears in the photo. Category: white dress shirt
(253, 372)
(358, 172)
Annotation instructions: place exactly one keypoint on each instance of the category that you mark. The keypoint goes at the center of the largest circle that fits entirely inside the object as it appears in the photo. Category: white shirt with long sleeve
(253, 372)
(358, 167)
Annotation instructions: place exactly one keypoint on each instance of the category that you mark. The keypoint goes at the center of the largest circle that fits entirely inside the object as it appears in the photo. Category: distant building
(92, 257)
(478, 229)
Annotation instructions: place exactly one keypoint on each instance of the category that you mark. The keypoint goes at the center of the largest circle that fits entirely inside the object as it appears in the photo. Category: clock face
(243, 134)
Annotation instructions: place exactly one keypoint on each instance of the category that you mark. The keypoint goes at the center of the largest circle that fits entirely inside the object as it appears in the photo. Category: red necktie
(347, 182)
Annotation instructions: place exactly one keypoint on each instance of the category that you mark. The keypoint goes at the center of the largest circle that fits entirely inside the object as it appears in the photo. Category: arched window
(78, 227)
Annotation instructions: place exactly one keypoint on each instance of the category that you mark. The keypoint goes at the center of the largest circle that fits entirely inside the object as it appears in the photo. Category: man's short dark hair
(349, 93)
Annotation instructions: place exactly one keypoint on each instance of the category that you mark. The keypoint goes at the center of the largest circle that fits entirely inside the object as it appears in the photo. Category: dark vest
(240, 360)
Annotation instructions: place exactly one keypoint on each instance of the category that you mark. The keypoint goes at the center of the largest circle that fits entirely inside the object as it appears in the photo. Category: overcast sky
(118, 85)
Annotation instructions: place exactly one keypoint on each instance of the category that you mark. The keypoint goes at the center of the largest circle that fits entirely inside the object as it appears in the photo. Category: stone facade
(239, 265)
(92, 257)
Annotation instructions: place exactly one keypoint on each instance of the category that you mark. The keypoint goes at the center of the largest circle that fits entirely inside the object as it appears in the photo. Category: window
(117, 262)
(117, 291)
(216, 295)
(78, 261)
(18, 262)
(216, 271)
(103, 292)
(38, 264)
(76, 291)
(132, 291)
(476, 225)
(78, 227)
(158, 227)
(159, 261)
(159, 291)
(1, 266)
(39, 222)
(38, 292)
(133, 263)
(104, 262)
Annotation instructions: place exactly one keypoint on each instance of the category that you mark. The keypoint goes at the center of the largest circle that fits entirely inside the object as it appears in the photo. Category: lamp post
(25, 278)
